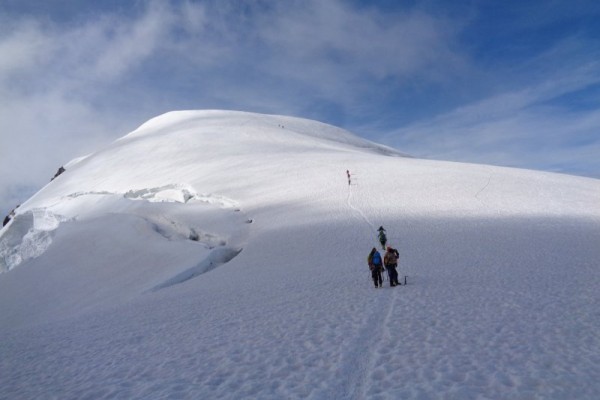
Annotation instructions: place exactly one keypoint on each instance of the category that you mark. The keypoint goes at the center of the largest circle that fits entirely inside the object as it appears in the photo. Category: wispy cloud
(534, 126)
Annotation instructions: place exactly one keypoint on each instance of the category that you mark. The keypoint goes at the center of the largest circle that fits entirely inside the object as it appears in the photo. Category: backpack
(392, 257)
(376, 260)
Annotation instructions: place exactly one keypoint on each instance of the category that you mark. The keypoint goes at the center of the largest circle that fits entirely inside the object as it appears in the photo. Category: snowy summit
(219, 254)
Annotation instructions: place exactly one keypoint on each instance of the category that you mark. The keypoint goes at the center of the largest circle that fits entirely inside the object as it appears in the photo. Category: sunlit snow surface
(214, 254)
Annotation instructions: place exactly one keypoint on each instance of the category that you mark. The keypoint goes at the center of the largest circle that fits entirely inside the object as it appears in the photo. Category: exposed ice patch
(46, 220)
(209, 239)
(28, 236)
(172, 229)
(215, 199)
(79, 194)
(178, 194)
(168, 193)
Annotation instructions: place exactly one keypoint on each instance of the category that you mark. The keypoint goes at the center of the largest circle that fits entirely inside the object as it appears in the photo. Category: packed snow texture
(215, 254)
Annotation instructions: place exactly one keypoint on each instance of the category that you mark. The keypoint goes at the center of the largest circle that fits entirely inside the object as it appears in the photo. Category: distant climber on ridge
(348, 174)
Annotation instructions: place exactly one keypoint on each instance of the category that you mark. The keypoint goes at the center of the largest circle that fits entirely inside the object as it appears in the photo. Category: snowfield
(222, 255)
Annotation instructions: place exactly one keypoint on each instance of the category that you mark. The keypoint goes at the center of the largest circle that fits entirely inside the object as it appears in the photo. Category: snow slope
(215, 254)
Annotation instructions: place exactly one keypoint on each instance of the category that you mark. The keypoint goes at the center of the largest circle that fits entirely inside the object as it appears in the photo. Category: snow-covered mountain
(217, 254)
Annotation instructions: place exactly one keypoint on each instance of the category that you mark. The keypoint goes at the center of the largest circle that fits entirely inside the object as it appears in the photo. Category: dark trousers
(376, 275)
(393, 274)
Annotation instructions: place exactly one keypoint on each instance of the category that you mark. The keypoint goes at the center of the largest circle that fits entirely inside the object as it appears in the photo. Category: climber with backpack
(376, 267)
(382, 237)
(391, 263)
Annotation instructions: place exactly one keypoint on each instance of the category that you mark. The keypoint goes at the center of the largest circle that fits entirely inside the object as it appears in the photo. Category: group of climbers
(390, 261)
(377, 264)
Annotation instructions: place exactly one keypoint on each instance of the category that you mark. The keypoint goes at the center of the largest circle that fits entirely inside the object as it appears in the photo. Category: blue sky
(513, 83)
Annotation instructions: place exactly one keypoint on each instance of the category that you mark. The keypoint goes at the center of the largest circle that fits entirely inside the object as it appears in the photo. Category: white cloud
(127, 45)
(22, 46)
(337, 49)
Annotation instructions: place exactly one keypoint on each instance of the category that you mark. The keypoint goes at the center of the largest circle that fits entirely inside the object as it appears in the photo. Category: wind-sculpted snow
(222, 255)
